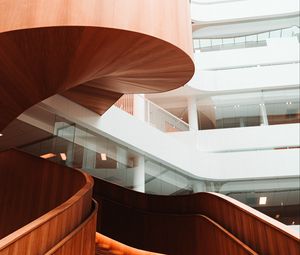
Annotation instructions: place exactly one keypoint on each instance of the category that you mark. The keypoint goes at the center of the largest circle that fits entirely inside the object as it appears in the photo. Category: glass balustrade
(78, 147)
(255, 40)
(152, 114)
(249, 109)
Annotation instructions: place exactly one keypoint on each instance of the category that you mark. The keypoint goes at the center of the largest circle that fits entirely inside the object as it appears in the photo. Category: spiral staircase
(93, 52)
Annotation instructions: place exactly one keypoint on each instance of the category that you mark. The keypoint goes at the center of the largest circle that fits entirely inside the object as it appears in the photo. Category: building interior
(147, 127)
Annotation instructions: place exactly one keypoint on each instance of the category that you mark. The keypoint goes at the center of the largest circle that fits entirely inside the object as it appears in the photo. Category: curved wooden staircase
(201, 223)
(92, 52)
(42, 204)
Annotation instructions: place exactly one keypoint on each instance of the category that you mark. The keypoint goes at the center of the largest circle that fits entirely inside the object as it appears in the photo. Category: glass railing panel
(283, 113)
(255, 40)
(248, 109)
(163, 120)
(153, 114)
(78, 147)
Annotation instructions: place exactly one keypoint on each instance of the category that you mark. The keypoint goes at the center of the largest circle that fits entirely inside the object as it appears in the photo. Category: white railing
(160, 118)
(254, 40)
(153, 114)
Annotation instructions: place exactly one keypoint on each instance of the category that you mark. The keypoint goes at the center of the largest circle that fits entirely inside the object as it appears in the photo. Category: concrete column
(138, 182)
(193, 113)
(139, 106)
(263, 115)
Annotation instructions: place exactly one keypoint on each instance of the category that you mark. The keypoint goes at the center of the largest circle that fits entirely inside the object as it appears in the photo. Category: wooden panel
(80, 241)
(41, 202)
(123, 209)
(92, 53)
(126, 103)
(168, 233)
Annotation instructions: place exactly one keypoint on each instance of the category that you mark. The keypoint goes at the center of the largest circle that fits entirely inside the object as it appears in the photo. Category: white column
(193, 113)
(135, 174)
(138, 181)
(263, 115)
(139, 106)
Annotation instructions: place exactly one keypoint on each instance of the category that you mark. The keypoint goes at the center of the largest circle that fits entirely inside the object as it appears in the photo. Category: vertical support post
(193, 113)
(263, 115)
(139, 106)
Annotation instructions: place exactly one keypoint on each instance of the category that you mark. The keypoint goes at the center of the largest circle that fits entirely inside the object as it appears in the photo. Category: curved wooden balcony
(173, 225)
(41, 203)
(91, 52)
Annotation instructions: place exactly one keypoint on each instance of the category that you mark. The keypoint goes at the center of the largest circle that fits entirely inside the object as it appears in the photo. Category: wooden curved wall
(167, 233)
(153, 225)
(41, 202)
(80, 241)
(91, 51)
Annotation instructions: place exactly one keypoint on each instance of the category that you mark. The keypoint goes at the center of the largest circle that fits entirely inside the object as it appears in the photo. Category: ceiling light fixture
(63, 156)
(262, 200)
(277, 216)
(48, 155)
(103, 156)
(1, 134)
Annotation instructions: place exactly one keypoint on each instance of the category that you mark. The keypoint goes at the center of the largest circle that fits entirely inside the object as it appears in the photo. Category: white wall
(274, 65)
(225, 30)
(242, 10)
(247, 138)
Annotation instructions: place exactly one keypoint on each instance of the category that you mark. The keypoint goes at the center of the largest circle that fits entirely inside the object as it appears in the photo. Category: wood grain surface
(90, 51)
(80, 241)
(41, 203)
(165, 222)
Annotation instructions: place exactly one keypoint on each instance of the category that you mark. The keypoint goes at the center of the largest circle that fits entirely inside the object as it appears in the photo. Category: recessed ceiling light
(277, 216)
(48, 155)
(262, 200)
(293, 223)
(103, 156)
(63, 156)
(1, 134)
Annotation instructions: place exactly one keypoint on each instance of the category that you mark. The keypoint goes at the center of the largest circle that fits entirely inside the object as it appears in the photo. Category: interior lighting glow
(48, 155)
(1, 134)
(262, 200)
(63, 156)
(103, 156)
(277, 216)
(293, 223)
